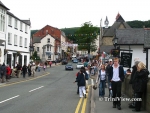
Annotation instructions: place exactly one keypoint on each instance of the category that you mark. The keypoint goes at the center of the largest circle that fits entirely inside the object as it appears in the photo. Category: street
(52, 93)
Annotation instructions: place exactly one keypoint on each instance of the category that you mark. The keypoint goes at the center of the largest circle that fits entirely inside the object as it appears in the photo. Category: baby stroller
(110, 90)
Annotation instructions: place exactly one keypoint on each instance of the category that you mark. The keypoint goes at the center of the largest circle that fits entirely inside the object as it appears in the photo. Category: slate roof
(1, 4)
(36, 40)
(132, 36)
(106, 48)
(111, 31)
(24, 21)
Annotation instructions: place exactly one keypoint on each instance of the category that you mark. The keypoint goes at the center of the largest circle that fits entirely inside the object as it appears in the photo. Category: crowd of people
(6, 73)
(113, 74)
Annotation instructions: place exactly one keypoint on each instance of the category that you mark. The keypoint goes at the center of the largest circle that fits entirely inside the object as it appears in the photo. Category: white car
(79, 65)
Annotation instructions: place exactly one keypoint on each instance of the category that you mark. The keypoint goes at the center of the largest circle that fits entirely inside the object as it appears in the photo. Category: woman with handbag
(101, 78)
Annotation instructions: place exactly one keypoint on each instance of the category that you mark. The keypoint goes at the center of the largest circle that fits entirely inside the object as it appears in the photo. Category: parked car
(64, 62)
(75, 61)
(79, 65)
(69, 67)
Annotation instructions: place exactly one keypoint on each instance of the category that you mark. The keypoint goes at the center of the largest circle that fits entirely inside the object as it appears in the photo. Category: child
(81, 82)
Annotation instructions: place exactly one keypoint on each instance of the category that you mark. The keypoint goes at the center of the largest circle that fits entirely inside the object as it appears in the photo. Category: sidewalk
(106, 107)
(15, 79)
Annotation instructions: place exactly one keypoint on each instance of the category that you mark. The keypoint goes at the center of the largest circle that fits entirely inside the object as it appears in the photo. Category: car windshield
(80, 64)
(69, 64)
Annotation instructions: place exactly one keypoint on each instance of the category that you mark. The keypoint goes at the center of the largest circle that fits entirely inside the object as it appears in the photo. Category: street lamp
(115, 41)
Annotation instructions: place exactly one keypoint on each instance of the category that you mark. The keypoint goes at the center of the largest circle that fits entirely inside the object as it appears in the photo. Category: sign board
(147, 39)
(126, 59)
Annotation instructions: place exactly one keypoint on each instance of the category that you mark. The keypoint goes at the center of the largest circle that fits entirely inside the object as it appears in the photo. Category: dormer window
(48, 40)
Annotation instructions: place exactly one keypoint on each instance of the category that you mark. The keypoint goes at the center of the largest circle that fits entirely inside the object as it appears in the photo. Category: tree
(86, 37)
(35, 56)
(139, 24)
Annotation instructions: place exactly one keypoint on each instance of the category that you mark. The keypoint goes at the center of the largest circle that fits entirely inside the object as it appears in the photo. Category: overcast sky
(73, 13)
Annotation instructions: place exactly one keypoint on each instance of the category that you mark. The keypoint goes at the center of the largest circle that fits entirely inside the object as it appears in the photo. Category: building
(17, 40)
(132, 39)
(63, 44)
(108, 33)
(45, 47)
(3, 28)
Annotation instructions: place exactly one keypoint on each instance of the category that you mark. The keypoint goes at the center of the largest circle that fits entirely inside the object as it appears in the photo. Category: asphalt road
(54, 93)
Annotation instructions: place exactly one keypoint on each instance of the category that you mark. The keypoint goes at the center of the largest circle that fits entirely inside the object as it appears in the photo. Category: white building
(17, 40)
(3, 20)
(63, 44)
(45, 47)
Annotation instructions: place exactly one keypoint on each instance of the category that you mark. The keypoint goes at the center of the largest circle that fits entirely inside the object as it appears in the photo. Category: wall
(121, 26)
(107, 41)
(63, 40)
(44, 42)
(127, 90)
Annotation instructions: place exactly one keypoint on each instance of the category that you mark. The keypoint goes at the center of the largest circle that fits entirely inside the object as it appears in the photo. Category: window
(15, 40)
(20, 26)
(10, 21)
(25, 42)
(9, 38)
(16, 23)
(38, 49)
(26, 29)
(2, 20)
(50, 48)
(20, 42)
(48, 40)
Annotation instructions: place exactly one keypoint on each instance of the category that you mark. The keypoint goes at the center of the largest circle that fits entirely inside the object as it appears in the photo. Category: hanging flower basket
(5, 51)
(18, 53)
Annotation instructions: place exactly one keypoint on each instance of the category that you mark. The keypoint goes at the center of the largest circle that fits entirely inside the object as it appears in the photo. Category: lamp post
(115, 41)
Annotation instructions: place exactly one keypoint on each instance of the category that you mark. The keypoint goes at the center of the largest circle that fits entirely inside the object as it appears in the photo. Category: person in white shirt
(116, 77)
(101, 80)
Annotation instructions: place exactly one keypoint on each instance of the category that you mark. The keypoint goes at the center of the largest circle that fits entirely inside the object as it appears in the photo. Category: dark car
(64, 62)
(69, 67)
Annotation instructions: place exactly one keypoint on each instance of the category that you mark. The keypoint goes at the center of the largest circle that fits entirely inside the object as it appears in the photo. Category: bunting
(91, 34)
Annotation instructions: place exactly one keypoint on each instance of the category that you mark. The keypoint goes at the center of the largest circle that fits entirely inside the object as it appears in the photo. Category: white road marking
(36, 89)
(9, 99)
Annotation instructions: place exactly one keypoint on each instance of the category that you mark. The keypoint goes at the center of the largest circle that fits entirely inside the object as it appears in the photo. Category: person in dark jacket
(18, 70)
(81, 82)
(24, 71)
(140, 83)
(116, 77)
(29, 70)
(134, 69)
(3, 72)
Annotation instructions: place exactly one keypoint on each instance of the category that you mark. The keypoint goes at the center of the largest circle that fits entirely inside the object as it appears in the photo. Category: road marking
(24, 80)
(84, 103)
(9, 99)
(78, 106)
(36, 89)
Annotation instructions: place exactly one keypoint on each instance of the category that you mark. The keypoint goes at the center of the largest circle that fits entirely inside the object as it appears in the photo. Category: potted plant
(18, 53)
(5, 51)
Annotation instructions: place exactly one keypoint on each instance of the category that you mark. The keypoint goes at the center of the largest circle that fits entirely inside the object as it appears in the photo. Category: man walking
(116, 77)
(3, 72)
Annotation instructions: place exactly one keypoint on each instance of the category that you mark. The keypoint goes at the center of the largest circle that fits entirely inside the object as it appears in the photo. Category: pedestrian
(46, 64)
(50, 63)
(24, 70)
(8, 73)
(116, 77)
(134, 69)
(81, 82)
(110, 63)
(3, 72)
(39, 67)
(33, 69)
(18, 70)
(29, 70)
(140, 83)
(101, 78)
(77, 81)
(44, 67)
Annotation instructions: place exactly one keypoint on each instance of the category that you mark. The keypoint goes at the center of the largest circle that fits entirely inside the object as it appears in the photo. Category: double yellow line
(83, 105)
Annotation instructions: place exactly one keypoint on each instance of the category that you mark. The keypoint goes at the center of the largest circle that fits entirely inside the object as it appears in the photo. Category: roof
(106, 48)
(36, 40)
(1, 4)
(111, 31)
(133, 36)
(24, 21)
(33, 31)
